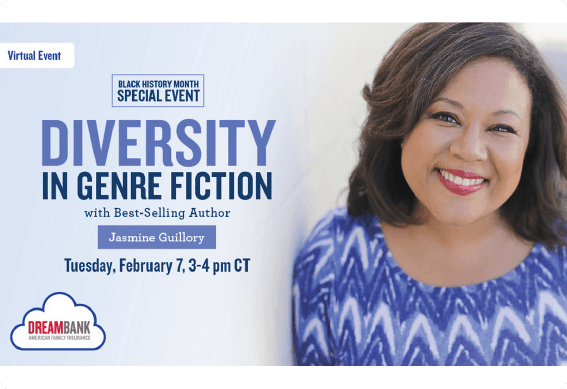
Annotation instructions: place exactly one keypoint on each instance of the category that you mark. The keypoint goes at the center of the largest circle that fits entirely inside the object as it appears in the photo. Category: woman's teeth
(459, 180)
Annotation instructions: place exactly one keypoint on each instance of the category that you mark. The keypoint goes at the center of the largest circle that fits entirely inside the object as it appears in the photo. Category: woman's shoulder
(336, 236)
(552, 258)
(337, 226)
(560, 251)
(548, 264)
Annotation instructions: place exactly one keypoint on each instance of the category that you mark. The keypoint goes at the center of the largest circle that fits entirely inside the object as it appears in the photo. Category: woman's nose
(470, 144)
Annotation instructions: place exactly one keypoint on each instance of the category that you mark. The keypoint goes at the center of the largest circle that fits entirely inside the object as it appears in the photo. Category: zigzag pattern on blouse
(353, 305)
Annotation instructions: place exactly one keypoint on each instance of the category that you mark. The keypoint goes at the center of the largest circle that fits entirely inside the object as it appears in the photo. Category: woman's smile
(464, 157)
(459, 182)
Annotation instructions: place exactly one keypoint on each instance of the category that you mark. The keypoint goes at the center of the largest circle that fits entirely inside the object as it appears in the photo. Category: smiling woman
(452, 250)
(462, 161)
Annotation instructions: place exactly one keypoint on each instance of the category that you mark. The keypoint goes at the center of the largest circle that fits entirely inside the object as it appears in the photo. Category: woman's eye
(445, 117)
(503, 129)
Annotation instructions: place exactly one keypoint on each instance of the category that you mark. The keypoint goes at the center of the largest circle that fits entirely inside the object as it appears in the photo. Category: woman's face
(464, 157)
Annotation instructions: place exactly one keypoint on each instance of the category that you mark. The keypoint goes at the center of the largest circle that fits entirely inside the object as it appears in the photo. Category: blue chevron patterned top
(353, 305)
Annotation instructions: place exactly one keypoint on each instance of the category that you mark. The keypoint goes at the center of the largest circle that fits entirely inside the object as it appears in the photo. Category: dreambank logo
(58, 327)
(61, 324)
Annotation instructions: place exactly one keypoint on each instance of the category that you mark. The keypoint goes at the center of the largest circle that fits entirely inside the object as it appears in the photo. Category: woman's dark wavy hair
(415, 70)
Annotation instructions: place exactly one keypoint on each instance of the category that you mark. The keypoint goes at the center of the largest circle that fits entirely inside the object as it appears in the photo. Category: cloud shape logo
(61, 324)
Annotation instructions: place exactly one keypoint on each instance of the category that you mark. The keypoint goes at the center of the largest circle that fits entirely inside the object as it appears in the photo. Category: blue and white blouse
(353, 305)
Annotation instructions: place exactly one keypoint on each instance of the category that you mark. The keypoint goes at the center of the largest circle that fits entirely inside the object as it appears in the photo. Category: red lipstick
(463, 174)
(461, 190)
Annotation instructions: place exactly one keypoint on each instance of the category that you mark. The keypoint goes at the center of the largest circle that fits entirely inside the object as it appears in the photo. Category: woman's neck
(487, 228)
(441, 254)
